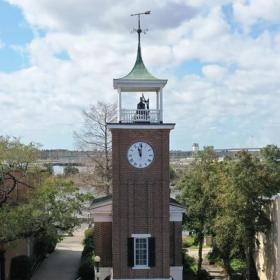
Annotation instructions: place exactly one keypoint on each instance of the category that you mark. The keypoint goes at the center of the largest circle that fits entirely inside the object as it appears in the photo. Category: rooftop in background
(68, 156)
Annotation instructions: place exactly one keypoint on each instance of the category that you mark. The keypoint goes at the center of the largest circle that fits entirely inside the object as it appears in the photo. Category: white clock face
(140, 155)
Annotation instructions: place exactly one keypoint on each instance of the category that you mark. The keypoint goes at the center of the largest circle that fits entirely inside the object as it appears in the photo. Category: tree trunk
(226, 262)
(200, 244)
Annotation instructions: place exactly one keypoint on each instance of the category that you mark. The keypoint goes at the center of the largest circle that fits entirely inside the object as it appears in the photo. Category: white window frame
(142, 236)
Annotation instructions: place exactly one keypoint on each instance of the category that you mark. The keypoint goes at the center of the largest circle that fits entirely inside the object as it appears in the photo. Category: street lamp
(97, 260)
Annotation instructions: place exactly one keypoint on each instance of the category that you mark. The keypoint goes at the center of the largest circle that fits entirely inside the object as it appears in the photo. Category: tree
(197, 191)
(53, 208)
(226, 226)
(70, 170)
(245, 187)
(96, 137)
(15, 159)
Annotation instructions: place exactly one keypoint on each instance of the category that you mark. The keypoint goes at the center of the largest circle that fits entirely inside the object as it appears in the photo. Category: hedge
(20, 268)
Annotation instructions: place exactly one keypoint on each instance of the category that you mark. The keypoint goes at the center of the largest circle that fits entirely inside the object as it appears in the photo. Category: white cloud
(2, 44)
(252, 11)
(214, 72)
(237, 93)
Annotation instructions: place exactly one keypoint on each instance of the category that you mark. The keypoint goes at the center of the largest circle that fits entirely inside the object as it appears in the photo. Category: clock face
(140, 155)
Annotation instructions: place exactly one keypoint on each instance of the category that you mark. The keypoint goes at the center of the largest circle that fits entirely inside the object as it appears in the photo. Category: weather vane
(139, 30)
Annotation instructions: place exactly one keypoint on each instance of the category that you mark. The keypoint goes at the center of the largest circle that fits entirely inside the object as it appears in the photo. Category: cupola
(140, 80)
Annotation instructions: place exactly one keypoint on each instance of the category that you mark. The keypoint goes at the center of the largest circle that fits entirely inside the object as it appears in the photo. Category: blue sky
(222, 60)
(15, 33)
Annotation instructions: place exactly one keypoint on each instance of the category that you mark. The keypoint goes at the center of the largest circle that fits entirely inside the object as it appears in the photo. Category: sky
(221, 59)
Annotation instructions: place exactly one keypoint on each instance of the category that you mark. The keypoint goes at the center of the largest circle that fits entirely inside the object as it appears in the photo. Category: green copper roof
(139, 70)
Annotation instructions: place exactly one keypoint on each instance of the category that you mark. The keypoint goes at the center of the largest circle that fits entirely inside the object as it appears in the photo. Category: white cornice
(169, 126)
(103, 212)
(138, 85)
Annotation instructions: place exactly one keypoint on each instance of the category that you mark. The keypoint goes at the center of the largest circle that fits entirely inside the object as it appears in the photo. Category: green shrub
(88, 232)
(189, 263)
(86, 269)
(213, 256)
(20, 268)
(51, 243)
(88, 241)
(87, 252)
(238, 266)
(203, 275)
(40, 248)
(45, 244)
(188, 241)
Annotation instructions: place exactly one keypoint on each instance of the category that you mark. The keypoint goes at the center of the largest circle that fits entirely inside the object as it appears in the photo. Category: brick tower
(141, 196)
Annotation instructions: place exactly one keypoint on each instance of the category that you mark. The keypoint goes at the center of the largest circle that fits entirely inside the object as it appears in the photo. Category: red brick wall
(140, 200)
(15, 248)
(175, 243)
(103, 242)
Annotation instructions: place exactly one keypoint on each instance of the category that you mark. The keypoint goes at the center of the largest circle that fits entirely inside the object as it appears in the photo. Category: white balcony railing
(140, 115)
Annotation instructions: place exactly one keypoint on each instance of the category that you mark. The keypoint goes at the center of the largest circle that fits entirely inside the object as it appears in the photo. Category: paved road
(63, 263)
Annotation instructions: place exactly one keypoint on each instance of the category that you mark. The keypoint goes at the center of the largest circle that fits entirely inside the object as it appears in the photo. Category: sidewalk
(63, 263)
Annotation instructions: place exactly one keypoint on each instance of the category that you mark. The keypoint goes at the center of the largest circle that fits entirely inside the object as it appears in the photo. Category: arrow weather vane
(139, 30)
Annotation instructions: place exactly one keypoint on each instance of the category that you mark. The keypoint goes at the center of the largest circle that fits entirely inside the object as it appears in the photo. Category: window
(141, 251)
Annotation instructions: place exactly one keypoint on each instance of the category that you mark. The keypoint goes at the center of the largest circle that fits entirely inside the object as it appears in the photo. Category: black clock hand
(140, 150)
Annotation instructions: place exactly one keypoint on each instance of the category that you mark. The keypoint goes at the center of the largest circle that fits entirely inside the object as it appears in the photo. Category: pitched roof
(139, 70)
(108, 199)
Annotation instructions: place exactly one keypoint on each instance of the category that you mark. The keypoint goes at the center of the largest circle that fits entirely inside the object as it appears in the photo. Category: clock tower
(141, 196)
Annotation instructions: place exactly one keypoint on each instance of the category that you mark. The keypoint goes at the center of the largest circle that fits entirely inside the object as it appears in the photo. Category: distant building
(195, 147)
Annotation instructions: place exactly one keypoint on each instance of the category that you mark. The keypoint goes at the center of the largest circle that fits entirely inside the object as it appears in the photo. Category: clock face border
(131, 146)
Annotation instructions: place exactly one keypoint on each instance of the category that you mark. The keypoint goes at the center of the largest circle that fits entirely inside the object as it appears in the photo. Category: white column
(157, 92)
(161, 106)
(120, 104)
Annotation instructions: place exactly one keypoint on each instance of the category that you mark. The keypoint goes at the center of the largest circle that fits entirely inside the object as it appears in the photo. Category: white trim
(102, 218)
(140, 126)
(100, 205)
(145, 237)
(138, 85)
(141, 278)
(161, 105)
(119, 104)
(176, 272)
(102, 212)
(176, 268)
(104, 272)
(140, 235)
(141, 267)
(176, 217)
(176, 213)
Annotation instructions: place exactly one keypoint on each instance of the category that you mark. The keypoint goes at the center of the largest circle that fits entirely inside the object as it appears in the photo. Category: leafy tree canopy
(54, 206)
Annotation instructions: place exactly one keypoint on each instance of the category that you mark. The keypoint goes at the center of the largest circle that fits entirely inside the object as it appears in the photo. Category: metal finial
(139, 30)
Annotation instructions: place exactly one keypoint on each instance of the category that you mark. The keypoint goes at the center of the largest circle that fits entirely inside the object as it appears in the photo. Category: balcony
(140, 116)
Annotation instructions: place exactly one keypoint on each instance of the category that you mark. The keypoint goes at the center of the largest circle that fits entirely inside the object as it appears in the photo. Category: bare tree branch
(96, 137)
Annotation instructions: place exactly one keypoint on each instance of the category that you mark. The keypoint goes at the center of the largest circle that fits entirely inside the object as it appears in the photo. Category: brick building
(138, 228)
(14, 193)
